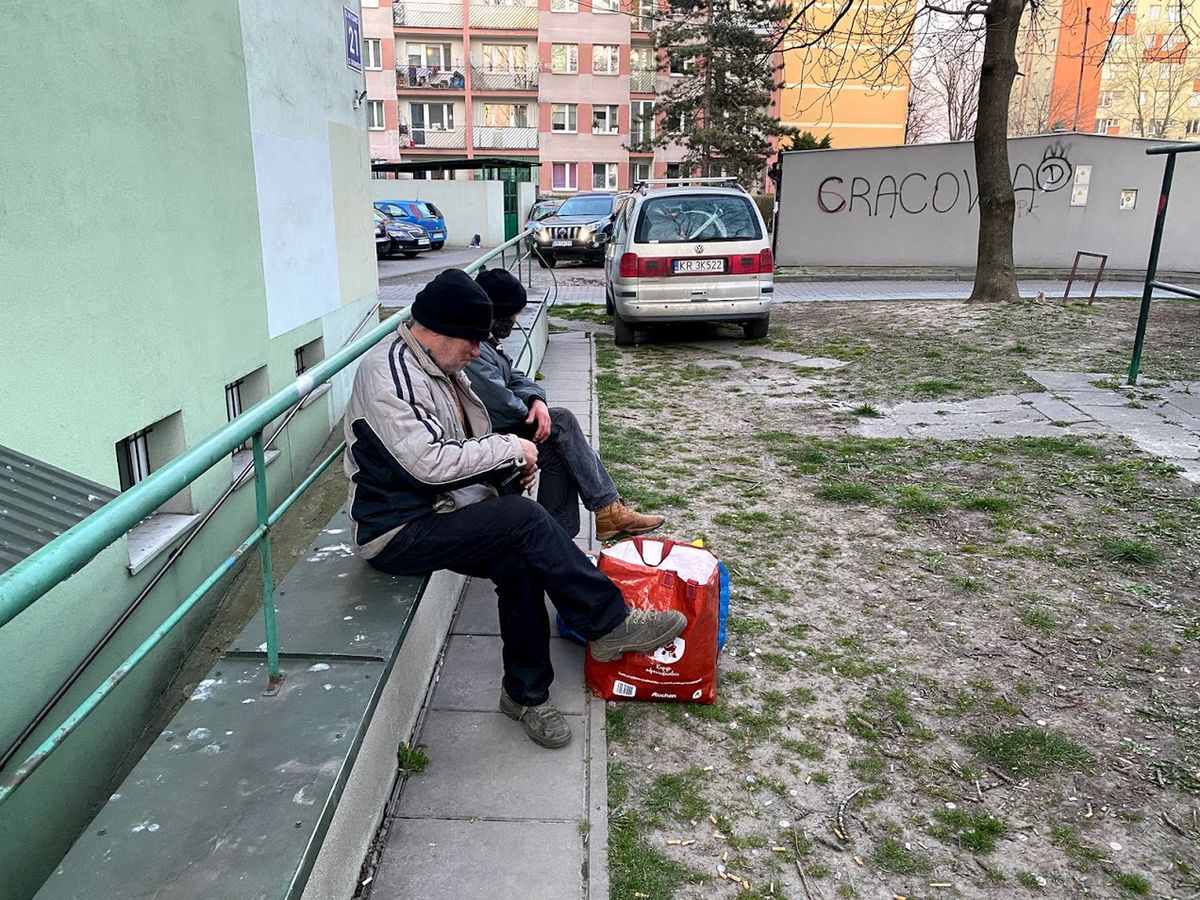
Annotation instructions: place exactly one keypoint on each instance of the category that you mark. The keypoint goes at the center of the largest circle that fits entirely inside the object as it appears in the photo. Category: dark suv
(578, 229)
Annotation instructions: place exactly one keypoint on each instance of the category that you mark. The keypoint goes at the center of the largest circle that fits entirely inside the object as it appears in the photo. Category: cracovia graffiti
(919, 193)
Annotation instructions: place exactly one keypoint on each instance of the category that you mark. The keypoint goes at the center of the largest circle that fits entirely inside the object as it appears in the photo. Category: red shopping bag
(662, 574)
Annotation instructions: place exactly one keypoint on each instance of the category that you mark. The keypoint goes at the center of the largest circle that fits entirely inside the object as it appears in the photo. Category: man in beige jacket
(424, 468)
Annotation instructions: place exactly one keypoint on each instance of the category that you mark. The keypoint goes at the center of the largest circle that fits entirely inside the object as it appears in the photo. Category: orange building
(1109, 67)
(842, 86)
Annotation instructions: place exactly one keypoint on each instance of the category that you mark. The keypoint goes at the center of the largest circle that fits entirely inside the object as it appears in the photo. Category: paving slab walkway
(494, 815)
(582, 286)
(1162, 419)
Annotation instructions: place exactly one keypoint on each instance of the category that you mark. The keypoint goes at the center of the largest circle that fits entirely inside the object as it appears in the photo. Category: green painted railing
(27, 581)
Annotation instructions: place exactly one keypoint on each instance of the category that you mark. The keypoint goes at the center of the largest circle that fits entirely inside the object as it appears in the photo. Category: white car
(689, 254)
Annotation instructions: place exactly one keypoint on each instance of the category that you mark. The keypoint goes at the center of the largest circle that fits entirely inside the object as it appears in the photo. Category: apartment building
(843, 85)
(570, 84)
(1111, 67)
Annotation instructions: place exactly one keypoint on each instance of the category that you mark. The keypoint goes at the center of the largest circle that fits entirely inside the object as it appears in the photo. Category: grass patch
(892, 856)
(1131, 885)
(846, 492)
(411, 760)
(1067, 838)
(1036, 617)
(1029, 751)
(1135, 553)
(867, 411)
(636, 868)
(989, 503)
(916, 502)
(935, 387)
(677, 795)
(975, 833)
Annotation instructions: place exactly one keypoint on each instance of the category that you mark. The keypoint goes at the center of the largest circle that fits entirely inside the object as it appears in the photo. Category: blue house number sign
(353, 35)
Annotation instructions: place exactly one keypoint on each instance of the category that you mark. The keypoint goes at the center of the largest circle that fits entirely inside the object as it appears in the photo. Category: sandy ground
(955, 669)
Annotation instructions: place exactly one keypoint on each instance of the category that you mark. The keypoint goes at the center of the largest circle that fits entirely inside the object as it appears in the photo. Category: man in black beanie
(516, 404)
(424, 466)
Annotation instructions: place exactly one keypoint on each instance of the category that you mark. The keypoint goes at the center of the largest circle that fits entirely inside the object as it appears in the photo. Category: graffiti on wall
(918, 193)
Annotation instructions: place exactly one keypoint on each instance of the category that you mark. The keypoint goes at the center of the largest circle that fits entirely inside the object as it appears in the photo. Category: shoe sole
(644, 647)
(539, 739)
(611, 535)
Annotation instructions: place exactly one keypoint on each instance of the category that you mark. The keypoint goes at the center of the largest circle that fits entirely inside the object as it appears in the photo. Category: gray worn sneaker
(644, 630)
(544, 724)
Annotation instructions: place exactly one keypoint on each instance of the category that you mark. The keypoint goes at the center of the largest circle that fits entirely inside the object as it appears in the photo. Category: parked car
(418, 212)
(383, 242)
(689, 254)
(578, 229)
(537, 212)
(405, 237)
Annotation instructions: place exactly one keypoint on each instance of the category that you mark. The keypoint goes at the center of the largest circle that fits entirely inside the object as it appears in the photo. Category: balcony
(505, 137)
(433, 139)
(641, 23)
(491, 79)
(642, 81)
(508, 15)
(417, 14)
(431, 78)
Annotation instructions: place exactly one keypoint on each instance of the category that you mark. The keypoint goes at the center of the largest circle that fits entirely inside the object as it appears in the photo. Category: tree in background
(919, 127)
(1149, 80)
(948, 78)
(719, 111)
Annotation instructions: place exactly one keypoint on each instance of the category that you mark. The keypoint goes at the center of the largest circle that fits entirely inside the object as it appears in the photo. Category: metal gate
(511, 212)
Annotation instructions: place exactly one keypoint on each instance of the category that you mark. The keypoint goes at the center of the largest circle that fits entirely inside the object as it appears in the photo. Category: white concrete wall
(311, 161)
(918, 205)
(470, 207)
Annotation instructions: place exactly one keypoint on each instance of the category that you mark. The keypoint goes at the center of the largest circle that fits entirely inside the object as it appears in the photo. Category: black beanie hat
(454, 305)
(504, 290)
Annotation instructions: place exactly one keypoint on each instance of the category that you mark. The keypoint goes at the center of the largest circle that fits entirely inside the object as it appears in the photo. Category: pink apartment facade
(570, 84)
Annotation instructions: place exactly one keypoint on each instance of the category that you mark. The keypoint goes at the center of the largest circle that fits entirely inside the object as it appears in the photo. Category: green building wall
(139, 274)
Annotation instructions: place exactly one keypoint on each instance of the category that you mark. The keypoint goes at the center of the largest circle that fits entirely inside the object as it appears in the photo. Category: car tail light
(744, 264)
(766, 262)
(653, 267)
(629, 265)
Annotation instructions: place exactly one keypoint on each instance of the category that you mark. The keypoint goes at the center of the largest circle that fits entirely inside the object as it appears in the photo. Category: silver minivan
(689, 254)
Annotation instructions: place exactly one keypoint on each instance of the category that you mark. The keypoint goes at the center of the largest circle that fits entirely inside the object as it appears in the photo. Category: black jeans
(513, 542)
(570, 469)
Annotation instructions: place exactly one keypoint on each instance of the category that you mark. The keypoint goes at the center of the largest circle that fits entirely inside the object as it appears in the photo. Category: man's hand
(539, 415)
(529, 470)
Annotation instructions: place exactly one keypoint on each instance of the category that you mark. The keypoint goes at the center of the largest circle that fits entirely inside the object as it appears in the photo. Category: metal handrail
(41, 571)
(240, 480)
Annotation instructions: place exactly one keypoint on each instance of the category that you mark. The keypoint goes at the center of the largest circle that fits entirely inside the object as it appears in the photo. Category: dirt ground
(954, 669)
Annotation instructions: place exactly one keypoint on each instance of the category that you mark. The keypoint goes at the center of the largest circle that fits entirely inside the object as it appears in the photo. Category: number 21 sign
(352, 30)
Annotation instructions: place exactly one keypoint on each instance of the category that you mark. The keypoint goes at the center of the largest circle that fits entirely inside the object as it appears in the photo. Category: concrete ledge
(249, 795)
(365, 797)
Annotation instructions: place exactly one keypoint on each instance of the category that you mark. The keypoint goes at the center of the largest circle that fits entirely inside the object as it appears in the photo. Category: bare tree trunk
(995, 272)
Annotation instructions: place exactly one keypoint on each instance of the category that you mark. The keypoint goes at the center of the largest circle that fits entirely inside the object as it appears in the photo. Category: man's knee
(518, 510)
(563, 419)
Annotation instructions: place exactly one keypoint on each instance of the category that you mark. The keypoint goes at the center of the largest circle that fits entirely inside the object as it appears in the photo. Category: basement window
(240, 395)
(138, 455)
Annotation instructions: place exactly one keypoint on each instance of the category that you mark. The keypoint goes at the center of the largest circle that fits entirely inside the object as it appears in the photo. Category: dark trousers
(570, 470)
(513, 542)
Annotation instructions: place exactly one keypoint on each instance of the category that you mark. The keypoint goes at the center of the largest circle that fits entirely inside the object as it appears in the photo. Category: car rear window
(701, 217)
(427, 210)
(587, 206)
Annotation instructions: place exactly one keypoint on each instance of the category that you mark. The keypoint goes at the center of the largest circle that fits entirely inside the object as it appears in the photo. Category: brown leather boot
(618, 519)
